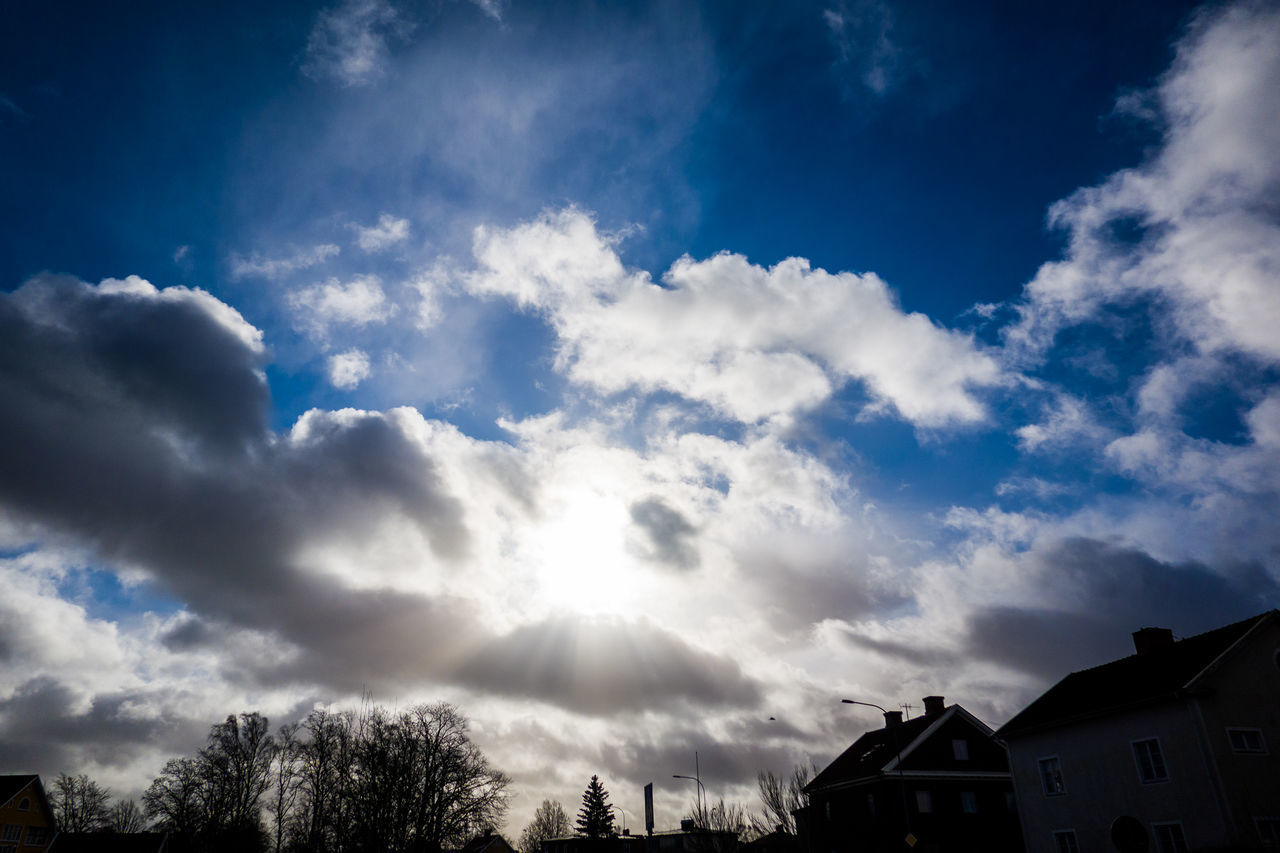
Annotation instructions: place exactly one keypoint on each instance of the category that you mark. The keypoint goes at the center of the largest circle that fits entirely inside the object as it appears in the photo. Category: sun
(579, 554)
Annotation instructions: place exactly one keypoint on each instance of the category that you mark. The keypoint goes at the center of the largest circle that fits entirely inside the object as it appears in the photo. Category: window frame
(1247, 730)
(12, 833)
(1068, 835)
(1060, 776)
(1179, 845)
(1273, 841)
(1140, 743)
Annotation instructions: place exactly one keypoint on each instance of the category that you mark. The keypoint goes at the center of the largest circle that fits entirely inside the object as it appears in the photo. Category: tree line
(780, 797)
(337, 782)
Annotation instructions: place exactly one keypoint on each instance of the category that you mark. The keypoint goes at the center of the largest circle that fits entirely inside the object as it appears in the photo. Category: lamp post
(897, 748)
(624, 816)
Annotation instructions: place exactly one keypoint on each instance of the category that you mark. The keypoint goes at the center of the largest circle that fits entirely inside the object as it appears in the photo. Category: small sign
(911, 840)
(648, 808)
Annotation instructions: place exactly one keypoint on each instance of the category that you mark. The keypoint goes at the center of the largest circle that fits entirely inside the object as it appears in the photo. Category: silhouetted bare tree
(549, 821)
(125, 816)
(176, 799)
(404, 782)
(285, 782)
(79, 804)
(780, 797)
(720, 817)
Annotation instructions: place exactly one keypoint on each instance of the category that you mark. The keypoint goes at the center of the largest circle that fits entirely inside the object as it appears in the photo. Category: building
(935, 783)
(1169, 749)
(110, 842)
(688, 839)
(26, 821)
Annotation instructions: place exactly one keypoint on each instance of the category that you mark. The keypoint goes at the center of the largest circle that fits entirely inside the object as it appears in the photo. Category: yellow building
(26, 821)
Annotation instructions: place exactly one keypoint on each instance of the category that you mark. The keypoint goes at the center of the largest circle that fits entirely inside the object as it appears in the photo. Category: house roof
(871, 753)
(109, 842)
(1160, 674)
(11, 785)
(492, 843)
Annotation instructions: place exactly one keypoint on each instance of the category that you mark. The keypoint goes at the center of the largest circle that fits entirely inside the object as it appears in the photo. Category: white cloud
(751, 342)
(348, 369)
(357, 302)
(275, 268)
(1202, 235)
(1069, 421)
(388, 232)
(348, 43)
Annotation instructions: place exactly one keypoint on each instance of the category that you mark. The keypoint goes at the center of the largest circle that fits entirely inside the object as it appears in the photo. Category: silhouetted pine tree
(595, 820)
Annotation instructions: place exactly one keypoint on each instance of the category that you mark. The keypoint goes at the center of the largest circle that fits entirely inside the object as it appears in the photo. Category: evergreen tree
(595, 820)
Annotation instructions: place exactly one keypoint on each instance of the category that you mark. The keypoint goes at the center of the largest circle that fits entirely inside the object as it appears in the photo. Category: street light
(701, 791)
(897, 748)
(624, 816)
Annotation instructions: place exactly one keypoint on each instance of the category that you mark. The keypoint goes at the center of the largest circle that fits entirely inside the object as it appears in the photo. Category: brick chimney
(892, 718)
(934, 706)
(1147, 640)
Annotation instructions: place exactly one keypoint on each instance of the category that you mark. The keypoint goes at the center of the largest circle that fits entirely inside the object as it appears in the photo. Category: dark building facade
(1175, 748)
(939, 782)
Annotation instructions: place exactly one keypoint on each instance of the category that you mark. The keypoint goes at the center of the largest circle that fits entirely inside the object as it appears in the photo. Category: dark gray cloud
(1119, 591)
(597, 666)
(796, 582)
(668, 534)
(142, 427)
(41, 732)
(917, 655)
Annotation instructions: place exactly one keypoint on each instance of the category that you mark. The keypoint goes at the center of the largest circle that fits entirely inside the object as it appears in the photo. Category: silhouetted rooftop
(870, 753)
(109, 842)
(1158, 675)
(12, 784)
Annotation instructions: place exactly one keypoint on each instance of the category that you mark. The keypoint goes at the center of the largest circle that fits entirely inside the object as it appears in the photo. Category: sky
(642, 379)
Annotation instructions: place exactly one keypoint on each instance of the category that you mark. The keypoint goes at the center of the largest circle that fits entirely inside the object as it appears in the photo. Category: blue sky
(627, 375)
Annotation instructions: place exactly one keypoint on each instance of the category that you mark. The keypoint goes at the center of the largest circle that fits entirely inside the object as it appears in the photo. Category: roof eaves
(1229, 650)
(22, 787)
(920, 738)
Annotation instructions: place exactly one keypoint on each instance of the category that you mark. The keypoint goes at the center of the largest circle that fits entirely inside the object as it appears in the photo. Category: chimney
(933, 706)
(1147, 640)
(892, 718)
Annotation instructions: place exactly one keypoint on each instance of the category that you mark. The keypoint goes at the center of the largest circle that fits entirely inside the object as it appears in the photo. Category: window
(1268, 830)
(1246, 740)
(969, 802)
(1051, 777)
(924, 802)
(36, 835)
(871, 804)
(1150, 761)
(12, 832)
(1064, 841)
(24, 804)
(1169, 838)
(1009, 802)
(960, 749)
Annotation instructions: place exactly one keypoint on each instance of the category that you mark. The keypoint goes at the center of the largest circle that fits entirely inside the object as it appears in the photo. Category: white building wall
(1102, 780)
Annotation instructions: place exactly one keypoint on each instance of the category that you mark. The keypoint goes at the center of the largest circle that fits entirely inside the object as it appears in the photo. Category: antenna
(908, 708)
